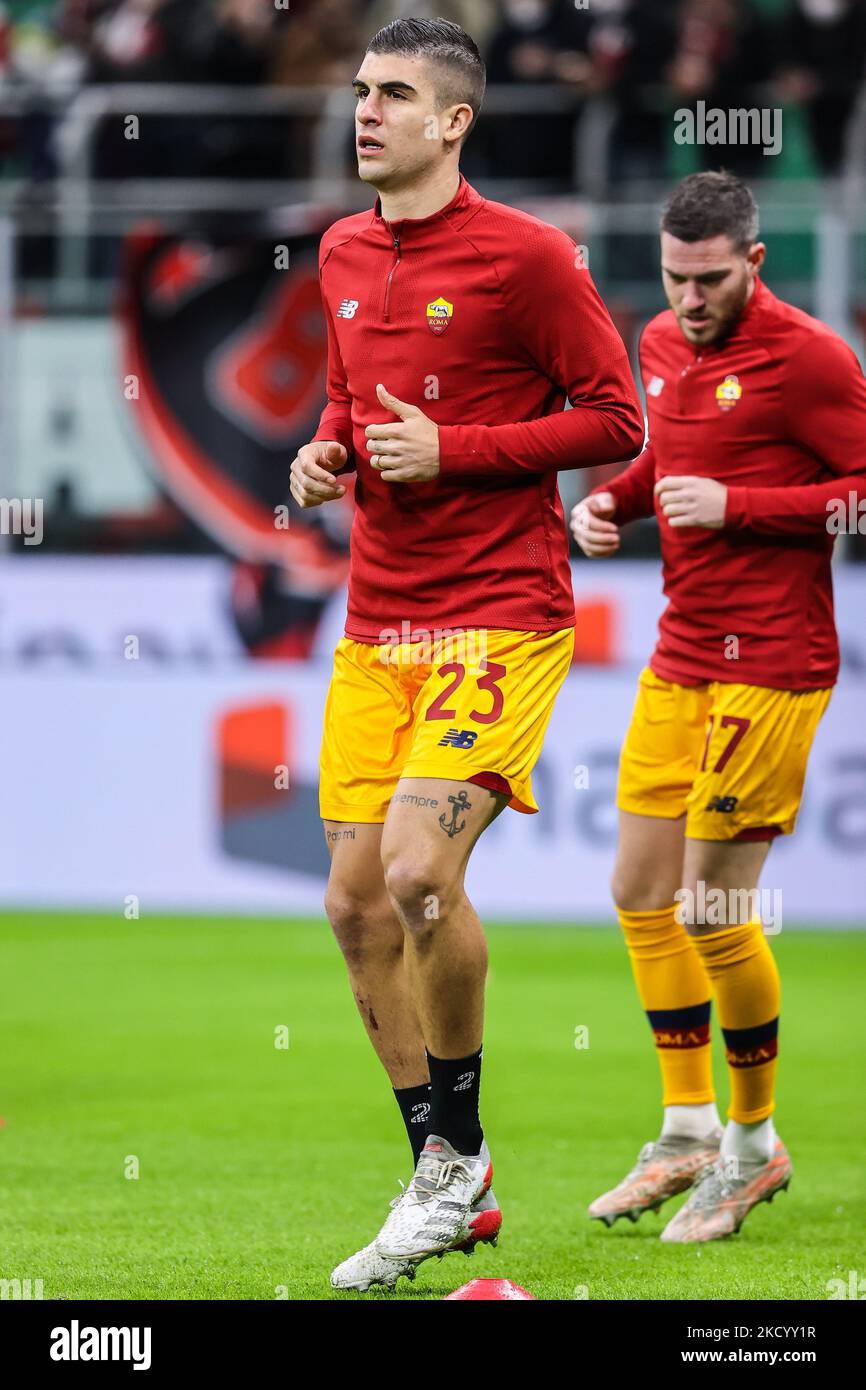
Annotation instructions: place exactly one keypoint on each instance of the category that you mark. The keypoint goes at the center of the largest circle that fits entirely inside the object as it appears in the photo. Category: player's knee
(633, 892)
(626, 889)
(418, 890)
(358, 927)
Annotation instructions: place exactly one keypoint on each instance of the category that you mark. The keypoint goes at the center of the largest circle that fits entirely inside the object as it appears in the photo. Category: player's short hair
(461, 73)
(712, 204)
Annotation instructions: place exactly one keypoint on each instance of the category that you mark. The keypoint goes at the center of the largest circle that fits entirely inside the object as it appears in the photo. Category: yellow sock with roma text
(675, 992)
(745, 981)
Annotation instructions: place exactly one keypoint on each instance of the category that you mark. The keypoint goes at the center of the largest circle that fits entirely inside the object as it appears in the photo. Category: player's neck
(423, 199)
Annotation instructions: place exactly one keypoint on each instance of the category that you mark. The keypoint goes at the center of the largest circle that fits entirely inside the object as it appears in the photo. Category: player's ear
(456, 121)
(757, 252)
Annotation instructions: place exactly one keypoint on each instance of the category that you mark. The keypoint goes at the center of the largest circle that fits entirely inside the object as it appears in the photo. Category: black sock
(456, 1083)
(415, 1107)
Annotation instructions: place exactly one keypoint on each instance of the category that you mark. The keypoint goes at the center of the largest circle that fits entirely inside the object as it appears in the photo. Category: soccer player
(757, 431)
(457, 330)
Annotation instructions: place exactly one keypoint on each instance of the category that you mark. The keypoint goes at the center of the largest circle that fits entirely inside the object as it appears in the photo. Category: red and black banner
(224, 349)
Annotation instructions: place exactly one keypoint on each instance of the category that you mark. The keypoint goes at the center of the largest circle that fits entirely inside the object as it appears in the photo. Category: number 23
(493, 673)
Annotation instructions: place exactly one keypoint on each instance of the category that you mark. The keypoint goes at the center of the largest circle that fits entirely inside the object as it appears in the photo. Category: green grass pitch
(261, 1167)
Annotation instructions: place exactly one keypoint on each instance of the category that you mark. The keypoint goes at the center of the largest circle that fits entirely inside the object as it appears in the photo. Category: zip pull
(387, 311)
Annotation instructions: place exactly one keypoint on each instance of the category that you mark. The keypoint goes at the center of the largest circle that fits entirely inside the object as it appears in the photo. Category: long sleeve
(557, 318)
(824, 401)
(336, 419)
(633, 489)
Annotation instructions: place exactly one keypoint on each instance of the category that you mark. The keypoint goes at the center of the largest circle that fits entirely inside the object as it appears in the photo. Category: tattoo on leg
(339, 835)
(458, 803)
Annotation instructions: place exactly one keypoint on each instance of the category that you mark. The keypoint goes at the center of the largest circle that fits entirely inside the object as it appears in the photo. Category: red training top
(777, 412)
(486, 319)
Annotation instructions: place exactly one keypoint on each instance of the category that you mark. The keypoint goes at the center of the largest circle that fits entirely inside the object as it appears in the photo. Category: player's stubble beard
(724, 316)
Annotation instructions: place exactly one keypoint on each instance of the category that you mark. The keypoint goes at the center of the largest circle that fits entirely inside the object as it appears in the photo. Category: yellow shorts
(453, 708)
(732, 758)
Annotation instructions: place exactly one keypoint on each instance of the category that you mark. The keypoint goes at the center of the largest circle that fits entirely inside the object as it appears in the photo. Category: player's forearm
(336, 425)
(831, 506)
(632, 489)
(580, 438)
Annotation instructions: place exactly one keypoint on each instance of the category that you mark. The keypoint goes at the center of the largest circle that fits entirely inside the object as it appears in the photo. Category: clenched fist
(313, 470)
(592, 527)
(693, 501)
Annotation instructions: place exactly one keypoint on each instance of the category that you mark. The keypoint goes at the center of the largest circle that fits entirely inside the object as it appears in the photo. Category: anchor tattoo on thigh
(459, 803)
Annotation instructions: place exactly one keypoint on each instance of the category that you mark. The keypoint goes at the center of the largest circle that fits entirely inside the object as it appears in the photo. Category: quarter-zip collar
(417, 230)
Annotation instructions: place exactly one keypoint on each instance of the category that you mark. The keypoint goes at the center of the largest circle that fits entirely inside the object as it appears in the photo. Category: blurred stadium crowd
(647, 57)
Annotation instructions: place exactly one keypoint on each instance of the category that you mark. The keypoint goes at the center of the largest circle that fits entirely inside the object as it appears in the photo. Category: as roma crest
(439, 315)
(728, 392)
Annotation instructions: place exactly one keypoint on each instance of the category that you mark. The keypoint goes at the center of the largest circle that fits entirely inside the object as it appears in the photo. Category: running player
(757, 432)
(457, 329)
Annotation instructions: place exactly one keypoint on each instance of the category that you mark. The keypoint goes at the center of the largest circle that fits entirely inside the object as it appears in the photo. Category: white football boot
(479, 1225)
(369, 1267)
(430, 1216)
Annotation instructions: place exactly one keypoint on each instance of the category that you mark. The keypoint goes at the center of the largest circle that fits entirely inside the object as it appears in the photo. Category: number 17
(740, 729)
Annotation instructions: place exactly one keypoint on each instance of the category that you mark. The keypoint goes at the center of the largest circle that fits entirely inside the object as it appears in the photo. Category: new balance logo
(464, 1081)
(348, 309)
(458, 738)
(423, 1110)
(722, 803)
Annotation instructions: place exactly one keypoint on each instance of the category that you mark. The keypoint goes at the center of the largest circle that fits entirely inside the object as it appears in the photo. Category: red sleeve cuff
(737, 507)
(454, 444)
(332, 436)
(610, 486)
(622, 495)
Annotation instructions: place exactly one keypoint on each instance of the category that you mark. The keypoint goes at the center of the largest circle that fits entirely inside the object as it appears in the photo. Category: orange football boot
(663, 1169)
(721, 1201)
